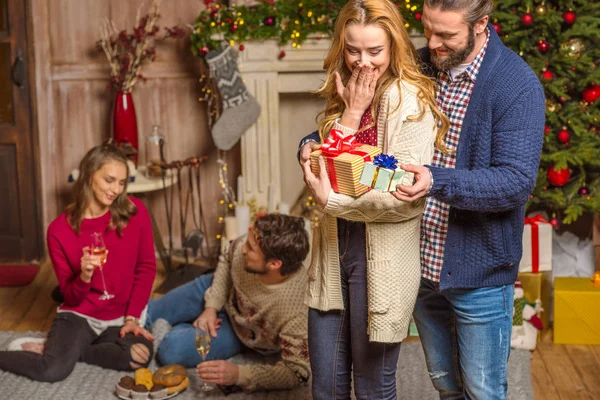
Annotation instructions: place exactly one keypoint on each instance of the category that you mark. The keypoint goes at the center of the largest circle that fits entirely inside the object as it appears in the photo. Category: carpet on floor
(88, 382)
(17, 275)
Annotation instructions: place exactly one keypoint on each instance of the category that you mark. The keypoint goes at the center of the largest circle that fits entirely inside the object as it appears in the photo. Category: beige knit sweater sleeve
(217, 294)
(292, 370)
(410, 141)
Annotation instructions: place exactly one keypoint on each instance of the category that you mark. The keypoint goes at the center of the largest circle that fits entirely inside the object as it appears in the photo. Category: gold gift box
(348, 168)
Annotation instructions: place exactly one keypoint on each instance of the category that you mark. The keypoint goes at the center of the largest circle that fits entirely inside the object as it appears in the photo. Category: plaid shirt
(452, 99)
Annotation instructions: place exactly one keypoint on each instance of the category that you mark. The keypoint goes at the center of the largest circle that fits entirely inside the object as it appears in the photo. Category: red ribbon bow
(535, 240)
(335, 145)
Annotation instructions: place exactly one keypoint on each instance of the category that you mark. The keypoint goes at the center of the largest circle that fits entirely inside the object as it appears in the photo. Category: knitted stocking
(240, 109)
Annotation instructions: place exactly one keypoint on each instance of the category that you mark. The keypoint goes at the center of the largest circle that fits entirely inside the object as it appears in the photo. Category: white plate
(162, 398)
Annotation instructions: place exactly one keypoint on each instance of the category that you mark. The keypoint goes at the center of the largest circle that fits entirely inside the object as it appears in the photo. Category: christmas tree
(560, 40)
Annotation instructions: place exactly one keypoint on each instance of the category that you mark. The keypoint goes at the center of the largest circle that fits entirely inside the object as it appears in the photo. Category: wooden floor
(558, 371)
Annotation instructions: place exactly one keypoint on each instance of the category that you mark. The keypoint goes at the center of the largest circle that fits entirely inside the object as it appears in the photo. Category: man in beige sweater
(254, 299)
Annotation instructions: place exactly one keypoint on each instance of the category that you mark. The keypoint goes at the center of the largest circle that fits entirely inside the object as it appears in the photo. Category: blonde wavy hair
(403, 66)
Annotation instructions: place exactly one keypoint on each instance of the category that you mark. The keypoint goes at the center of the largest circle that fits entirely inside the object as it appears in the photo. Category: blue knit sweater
(497, 162)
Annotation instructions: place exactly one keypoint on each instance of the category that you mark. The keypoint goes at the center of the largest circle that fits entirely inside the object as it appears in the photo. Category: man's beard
(455, 57)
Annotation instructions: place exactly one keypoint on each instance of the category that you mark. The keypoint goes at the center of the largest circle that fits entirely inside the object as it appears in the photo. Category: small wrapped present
(345, 159)
(382, 174)
(537, 245)
(575, 321)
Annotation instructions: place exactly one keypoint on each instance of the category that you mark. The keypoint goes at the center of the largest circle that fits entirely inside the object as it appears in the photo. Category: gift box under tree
(576, 305)
(382, 173)
(537, 245)
(344, 159)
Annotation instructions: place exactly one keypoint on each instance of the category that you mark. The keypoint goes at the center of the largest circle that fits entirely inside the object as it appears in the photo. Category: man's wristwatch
(132, 319)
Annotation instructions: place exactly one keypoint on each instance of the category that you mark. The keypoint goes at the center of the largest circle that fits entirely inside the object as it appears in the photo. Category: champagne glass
(98, 248)
(203, 347)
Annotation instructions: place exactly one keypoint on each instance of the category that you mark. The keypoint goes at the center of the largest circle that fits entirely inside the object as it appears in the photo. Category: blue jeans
(466, 338)
(338, 342)
(181, 307)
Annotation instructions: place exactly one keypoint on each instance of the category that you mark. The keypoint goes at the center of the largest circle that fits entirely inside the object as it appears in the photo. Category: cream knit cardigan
(392, 226)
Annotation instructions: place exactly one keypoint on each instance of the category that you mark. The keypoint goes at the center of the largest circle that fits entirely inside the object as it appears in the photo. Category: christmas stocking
(240, 108)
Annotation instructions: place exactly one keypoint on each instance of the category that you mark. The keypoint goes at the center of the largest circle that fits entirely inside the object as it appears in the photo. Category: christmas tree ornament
(541, 9)
(547, 75)
(233, 28)
(204, 50)
(282, 54)
(584, 190)
(591, 94)
(546, 129)
(242, 48)
(569, 17)
(543, 46)
(418, 16)
(269, 21)
(573, 47)
(527, 20)
(240, 108)
(558, 177)
(563, 135)
(551, 106)
(554, 222)
(497, 27)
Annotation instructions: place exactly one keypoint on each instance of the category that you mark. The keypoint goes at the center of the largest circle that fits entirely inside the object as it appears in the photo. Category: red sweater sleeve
(145, 268)
(74, 290)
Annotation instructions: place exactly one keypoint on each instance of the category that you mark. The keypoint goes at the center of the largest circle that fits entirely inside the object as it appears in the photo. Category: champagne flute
(203, 347)
(98, 248)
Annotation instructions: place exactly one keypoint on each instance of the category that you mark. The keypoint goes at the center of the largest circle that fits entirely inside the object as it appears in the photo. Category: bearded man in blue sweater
(471, 231)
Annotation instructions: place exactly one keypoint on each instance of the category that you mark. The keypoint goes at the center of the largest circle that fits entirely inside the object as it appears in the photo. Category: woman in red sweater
(108, 333)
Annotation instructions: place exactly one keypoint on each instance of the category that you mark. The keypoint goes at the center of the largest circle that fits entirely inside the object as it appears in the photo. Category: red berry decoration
(584, 191)
(591, 94)
(543, 46)
(563, 135)
(527, 20)
(560, 177)
(569, 17)
(547, 75)
(282, 54)
(546, 129)
(418, 16)
(554, 223)
(204, 50)
(497, 28)
(269, 21)
(233, 27)
(242, 47)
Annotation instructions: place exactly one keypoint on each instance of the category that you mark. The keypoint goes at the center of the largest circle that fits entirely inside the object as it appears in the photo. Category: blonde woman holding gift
(365, 269)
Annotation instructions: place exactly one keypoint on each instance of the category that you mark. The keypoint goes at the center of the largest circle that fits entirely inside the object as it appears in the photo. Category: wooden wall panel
(73, 108)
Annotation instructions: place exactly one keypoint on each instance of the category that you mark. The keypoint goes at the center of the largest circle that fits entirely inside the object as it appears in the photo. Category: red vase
(125, 123)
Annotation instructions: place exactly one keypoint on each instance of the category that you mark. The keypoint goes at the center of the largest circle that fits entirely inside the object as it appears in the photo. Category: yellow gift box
(576, 305)
(344, 159)
(538, 286)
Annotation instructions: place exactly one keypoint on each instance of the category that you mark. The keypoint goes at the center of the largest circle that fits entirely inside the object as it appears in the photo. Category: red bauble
(242, 47)
(546, 129)
(543, 46)
(554, 222)
(560, 177)
(204, 50)
(548, 75)
(527, 20)
(498, 28)
(591, 94)
(569, 17)
(282, 54)
(418, 16)
(269, 21)
(233, 27)
(584, 191)
(563, 135)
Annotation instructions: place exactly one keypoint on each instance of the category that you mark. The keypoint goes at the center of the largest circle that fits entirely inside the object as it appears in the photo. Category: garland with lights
(286, 21)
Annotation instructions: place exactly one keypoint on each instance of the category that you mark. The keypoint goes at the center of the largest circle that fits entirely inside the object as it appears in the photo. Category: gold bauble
(573, 47)
(541, 9)
(551, 106)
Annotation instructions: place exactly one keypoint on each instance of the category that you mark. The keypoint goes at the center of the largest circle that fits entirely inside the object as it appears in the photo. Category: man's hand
(306, 150)
(208, 321)
(220, 372)
(419, 189)
(320, 186)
